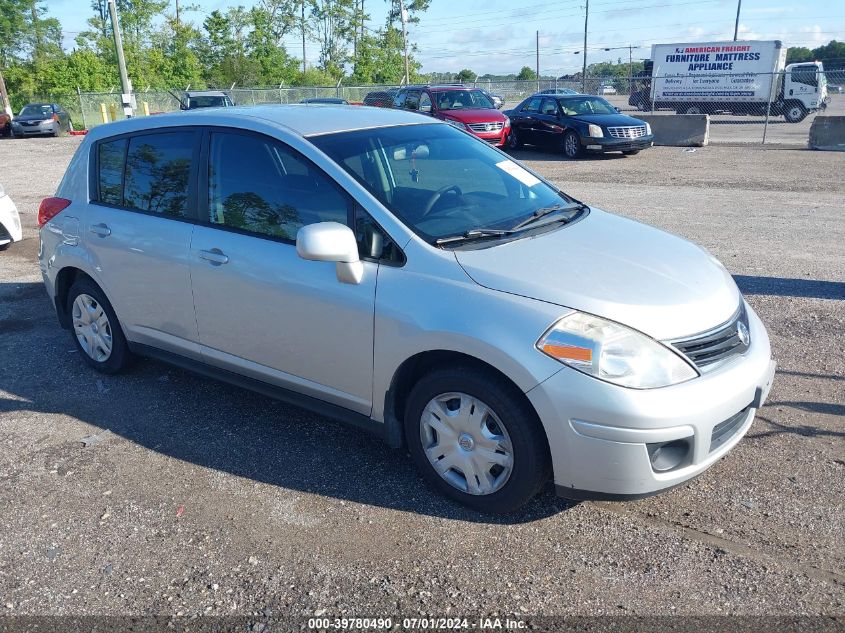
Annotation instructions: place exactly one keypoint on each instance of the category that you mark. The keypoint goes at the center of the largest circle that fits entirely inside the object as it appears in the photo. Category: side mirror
(331, 242)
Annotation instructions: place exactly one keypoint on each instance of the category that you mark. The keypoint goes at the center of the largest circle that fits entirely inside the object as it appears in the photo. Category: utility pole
(584, 67)
(537, 44)
(303, 35)
(177, 14)
(126, 97)
(736, 24)
(404, 16)
(630, 67)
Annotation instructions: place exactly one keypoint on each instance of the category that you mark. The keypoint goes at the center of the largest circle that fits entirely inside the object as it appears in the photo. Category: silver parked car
(392, 271)
(40, 119)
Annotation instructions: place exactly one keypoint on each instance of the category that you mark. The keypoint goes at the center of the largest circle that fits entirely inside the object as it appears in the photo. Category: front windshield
(440, 181)
(462, 99)
(586, 105)
(37, 110)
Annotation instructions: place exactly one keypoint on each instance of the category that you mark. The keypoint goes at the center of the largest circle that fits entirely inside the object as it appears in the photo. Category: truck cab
(804, 90)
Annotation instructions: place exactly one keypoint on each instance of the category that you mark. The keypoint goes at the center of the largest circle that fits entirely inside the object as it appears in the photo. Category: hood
(473, 115)
(608, 119)
(616, 268)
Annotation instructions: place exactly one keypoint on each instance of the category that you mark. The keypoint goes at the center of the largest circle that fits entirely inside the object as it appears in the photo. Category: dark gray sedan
(576, 124)
(41, 119)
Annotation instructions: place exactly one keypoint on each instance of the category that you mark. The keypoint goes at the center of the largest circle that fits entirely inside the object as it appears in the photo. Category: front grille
(627, 131)
(30, 122)
(721, 343)
(492, 126)
(724, 431)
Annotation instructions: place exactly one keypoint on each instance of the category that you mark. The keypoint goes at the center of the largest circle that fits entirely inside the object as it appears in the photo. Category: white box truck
(730, 77)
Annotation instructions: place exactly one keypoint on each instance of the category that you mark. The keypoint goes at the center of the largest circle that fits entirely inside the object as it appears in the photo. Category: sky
(499, 36)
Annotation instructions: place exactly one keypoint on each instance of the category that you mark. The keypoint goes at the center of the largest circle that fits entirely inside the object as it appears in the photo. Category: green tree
(526, 73)
(381, 60)
(831, 54)
(466, 75)
(798, 54)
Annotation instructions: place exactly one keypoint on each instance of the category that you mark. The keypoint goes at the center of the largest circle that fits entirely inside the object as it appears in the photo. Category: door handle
(215, 256)
(100, 229)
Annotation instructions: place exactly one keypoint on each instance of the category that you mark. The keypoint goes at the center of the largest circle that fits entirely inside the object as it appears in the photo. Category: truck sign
(741, 71)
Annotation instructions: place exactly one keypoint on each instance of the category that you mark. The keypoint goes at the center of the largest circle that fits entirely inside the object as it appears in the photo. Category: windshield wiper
(472, 234)
(544, 211)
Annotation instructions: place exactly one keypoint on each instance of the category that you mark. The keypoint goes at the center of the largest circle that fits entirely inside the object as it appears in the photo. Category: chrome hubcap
(466, 443)
(92, 328)
(571, 145)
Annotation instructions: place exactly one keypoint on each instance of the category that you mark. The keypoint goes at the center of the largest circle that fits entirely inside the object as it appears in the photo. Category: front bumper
(32, 130)
(610, 144)
(599, 433)
(496, 139)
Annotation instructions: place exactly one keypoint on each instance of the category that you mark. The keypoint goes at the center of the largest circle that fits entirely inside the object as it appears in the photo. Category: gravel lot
(199, 498)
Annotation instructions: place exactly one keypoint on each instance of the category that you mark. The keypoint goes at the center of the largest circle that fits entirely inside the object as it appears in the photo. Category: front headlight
(595, 131)
(648, 128)
(507, 122)
(613, 352)
(456, 124)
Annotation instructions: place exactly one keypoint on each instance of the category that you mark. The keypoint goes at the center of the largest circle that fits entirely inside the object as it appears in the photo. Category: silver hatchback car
(392, 271)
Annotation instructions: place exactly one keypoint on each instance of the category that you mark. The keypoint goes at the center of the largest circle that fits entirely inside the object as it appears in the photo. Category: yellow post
(103, 113)
(146, 109)
(113, 108)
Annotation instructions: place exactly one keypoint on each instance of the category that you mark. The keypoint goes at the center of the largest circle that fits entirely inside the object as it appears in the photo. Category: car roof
(303, 119)
(205, 93)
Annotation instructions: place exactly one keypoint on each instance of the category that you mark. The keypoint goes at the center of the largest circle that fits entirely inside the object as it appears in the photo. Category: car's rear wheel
(475, 439)
(572, 145)
(95, 328)
(514, 141)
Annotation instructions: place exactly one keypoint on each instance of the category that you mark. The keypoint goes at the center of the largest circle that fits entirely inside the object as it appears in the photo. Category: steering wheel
(437, 195)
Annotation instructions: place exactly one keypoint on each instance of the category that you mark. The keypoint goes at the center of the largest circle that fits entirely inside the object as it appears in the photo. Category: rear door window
(158, 173)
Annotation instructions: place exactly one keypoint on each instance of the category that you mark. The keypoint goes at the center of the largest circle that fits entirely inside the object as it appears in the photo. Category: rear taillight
(50, 208)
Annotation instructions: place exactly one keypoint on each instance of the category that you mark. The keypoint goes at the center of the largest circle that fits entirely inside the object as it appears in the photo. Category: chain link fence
(743, 108)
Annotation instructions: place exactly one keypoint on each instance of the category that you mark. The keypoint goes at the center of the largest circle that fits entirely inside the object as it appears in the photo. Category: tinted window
(532, 105)
(111, 158)
(158, 170)
(412, 100)
(805, 75)
(425, 102)
(256, 184)
(574, 106)
(549, 107)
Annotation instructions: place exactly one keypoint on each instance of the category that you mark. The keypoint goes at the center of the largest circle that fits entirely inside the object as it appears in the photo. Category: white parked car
(606, 89)
(10, 221)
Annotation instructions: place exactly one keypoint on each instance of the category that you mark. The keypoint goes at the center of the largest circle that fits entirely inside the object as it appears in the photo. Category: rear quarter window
(111, 158)
(158, 171)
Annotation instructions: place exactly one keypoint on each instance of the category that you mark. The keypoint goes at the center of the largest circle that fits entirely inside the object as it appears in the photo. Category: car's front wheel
(474, 438)
(572, 145)
(514, 142)
(95, 328)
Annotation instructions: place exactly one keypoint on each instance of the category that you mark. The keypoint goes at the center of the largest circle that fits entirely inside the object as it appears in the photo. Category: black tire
(631, 152)
(531, 460)
(794, 112)
(120, 358)
(3, 247)
(513, 140)
(572, 147)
